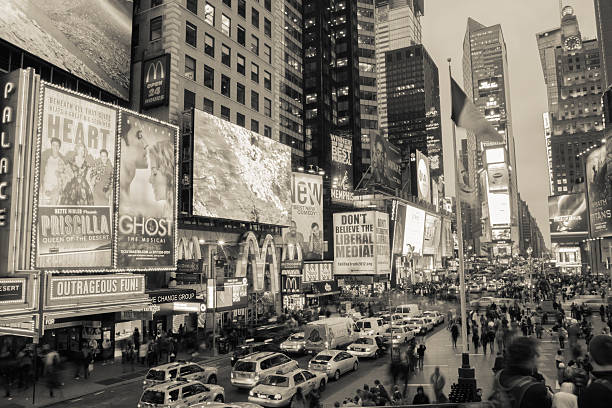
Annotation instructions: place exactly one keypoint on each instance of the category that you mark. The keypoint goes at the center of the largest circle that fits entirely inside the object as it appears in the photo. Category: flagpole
(464, 340)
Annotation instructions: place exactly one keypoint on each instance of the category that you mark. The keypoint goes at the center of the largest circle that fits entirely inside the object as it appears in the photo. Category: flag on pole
(467, 116)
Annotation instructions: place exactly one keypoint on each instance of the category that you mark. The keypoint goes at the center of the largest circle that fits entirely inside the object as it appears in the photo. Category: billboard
(398, 216)
(155, 88)
(89, 39)
(386, 159)
(447, 238)
(431, 235)
(303, 240)
(500, 234)
(359, 247)
(567, 214)
(423, 179)
(414, 230)
(498, 177)
(599, 178)
(76, 181)
(318, 271)
(239, 174)
(499, 208)
(341, 169)
(147, 193)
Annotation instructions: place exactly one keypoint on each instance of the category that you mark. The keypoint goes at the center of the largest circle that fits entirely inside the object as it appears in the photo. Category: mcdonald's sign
(155, 81)
(291, 284)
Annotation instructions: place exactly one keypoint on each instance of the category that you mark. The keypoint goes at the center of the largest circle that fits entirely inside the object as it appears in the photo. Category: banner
(75, 181)
(303, 240)
(383, 256)
(398, 227)
(318, 271)
(431, 236)
(147, 202)
(386, 163)
(93, 288)
(501, 234)
(413, 231)
(447, 238)
(599, 178)
(341, 169)
(155, 89)
(423, 179)
(498, 177)
(499, 208)
(567, 214)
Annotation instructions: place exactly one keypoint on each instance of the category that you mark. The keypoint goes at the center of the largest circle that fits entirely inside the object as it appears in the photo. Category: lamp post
(529, 251)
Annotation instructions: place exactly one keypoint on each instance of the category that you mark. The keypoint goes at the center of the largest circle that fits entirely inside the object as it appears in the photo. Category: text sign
(12, 290)
(72, 289)
(180, 295)
(155, 82)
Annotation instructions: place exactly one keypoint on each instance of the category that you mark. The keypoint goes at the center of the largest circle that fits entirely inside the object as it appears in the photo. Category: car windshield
(364, 325)
(153, 397)
(364, 340)
(276, 381)
(156, 375)
(322, 357)
(297, 336)
(397, 331)
(247, 366)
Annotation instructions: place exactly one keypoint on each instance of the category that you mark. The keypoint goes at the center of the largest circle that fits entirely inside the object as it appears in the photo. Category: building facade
(603, 19)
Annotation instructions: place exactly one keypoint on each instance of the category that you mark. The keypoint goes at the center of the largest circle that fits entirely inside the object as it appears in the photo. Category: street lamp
(529, 251)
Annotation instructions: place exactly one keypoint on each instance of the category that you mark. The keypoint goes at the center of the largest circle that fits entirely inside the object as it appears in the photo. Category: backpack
(511, 396)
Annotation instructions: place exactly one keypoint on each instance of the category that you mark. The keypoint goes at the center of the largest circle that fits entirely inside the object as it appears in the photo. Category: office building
(530, 233)
(413, 105)
(603, 19)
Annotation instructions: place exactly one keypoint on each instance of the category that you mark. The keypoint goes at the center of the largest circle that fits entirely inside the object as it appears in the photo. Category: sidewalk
(101, 378)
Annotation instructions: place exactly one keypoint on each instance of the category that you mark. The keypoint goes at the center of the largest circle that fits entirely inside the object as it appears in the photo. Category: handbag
(90, 367)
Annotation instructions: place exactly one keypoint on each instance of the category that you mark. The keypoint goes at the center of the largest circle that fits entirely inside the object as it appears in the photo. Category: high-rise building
(413, 105)
(398, 25)
(486, 82)
(603, 19)
(574, 81)
(530, 233)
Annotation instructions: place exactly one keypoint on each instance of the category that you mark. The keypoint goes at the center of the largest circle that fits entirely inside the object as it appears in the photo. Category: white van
(329, 333)
(409, 310)
(372, 326)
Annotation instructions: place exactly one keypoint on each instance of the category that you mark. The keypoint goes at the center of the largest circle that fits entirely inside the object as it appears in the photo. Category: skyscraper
(603, 18)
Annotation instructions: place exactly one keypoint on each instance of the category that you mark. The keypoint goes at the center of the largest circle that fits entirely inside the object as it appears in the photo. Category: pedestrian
(438, 382)
(382, 390)
(396, 364)
(52, 371)
(420, 398)
(136, 338)
(299, 400)
(142, 351)
(454, 334)
(421, 353)
(484, 339)
(499, 339)
(562, 336)
(475, 340)
(565, 398)
(499, 363)
(598, 393)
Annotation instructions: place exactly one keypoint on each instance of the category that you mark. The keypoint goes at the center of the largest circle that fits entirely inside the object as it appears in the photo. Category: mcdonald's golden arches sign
(155, 81)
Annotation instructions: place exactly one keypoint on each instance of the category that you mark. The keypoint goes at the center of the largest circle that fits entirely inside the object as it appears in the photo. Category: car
(419, 325)
(184, 369)
(491, 287)
(371, 326)
(368, 347)
(484, 301)
(401, 334)
(593, 305)
(247, 371)
(253, 347)
(180, 393)
(436, 316)
(430, 322)
(294, 344)
(237, 404)
(277, 390)
(475, 288)
(334, 363)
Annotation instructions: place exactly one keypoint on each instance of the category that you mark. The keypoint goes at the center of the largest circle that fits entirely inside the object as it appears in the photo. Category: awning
(181, 307)
(313, 295)
(19, 325)
(58, 312)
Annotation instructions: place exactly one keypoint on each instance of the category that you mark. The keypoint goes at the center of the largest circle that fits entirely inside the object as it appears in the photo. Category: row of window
(209, 17)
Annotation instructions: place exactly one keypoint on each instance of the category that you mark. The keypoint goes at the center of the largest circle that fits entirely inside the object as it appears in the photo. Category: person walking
(438, 382)
(475, 340)
(420, 398)
(299, 400)
(562, 336)
(484, 339)
(499, 339)
(454, 334)
(421, 353)
(598, 392)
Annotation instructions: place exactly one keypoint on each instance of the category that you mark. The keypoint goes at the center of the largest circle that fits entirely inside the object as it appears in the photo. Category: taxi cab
(333, 363)
(247, 371)
(183, 369)
(294, 343)
(277, 390)
(180, 393)
(369, 347)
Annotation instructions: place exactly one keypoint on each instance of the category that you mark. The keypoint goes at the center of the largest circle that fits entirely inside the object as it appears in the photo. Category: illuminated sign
(341, 169)
(155, 88)
(499, 208)
(318, 271)
(90, 288)
(547, 136)
(495, 155)
(12, 290)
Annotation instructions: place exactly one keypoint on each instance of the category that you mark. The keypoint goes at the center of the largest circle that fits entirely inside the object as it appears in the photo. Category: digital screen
(499, 208)
(495, 155)
(414, 230)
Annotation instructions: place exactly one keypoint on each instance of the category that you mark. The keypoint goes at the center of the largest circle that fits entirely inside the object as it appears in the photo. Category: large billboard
(386, 163)
(423, 177)
(89, 39)
(148, 193)
(498, 177)
(414, 230)
(359, 246)
(499, 208)
(567, 214)
(431, 235)
(76, 181)
(303, 240)
(599, 178)
(341, 169)
(239, 174)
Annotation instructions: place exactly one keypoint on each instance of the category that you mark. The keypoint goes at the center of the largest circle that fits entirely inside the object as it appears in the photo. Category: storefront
(176, 307)
(365, 286)
(319, 285)
(18, 311)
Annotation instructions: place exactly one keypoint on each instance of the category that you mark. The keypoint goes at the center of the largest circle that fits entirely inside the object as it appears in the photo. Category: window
(209, 45)
(226, 55)
(268, 5)
(226, 25)
(254, 72)
(254, 44)
(254, 126)
(155, 3)
(241, 36)
(188, 100)
(240, 93)
(267, 131)
(267, 27)
(242, 8)
(192, 5)
(254, 17)
(228, 3)
(268, 53)
(240, 120)
(225, 86)
(225, 112)
(173, 395)
(209, 14)
(209, 77)
(191, 34)
(190, 68)
(240, 64)
(267, 80)
(255, 101)
(267, 107)
(298, 378)
(155, 28)
(209, 106)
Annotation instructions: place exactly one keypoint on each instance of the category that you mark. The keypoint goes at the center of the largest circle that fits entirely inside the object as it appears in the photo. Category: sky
(444, 25)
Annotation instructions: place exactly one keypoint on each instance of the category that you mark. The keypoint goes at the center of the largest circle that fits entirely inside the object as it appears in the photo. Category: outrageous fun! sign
(71, 289)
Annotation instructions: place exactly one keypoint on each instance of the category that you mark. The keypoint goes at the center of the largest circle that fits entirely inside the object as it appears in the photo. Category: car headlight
(251, 393)
(256, 378)
(368, 349)
(278, 396)
(326, 344)
(144, 382)
(232, 375)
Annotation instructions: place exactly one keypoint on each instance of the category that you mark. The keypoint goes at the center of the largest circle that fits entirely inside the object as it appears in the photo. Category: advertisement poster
(386, 163)
(599, 177)
(498, 177)
(500, 234)
(89, 39)
(76, 181)
(567, 214)
(447, 238)
(304, 237)
(318, 271)
(423, 180)
(398, 227)
(414, 230)
(155, 82)
(431, 236)
(238, 174)
(355, 243)
(499, 208)
(341, 169)
(147, 202)
(383, 257)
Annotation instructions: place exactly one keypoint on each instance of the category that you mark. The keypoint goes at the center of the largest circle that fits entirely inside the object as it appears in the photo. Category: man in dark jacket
(598, 393)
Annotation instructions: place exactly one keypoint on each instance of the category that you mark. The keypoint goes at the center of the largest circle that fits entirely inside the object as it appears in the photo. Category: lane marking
(76, 400)
(99, 392)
